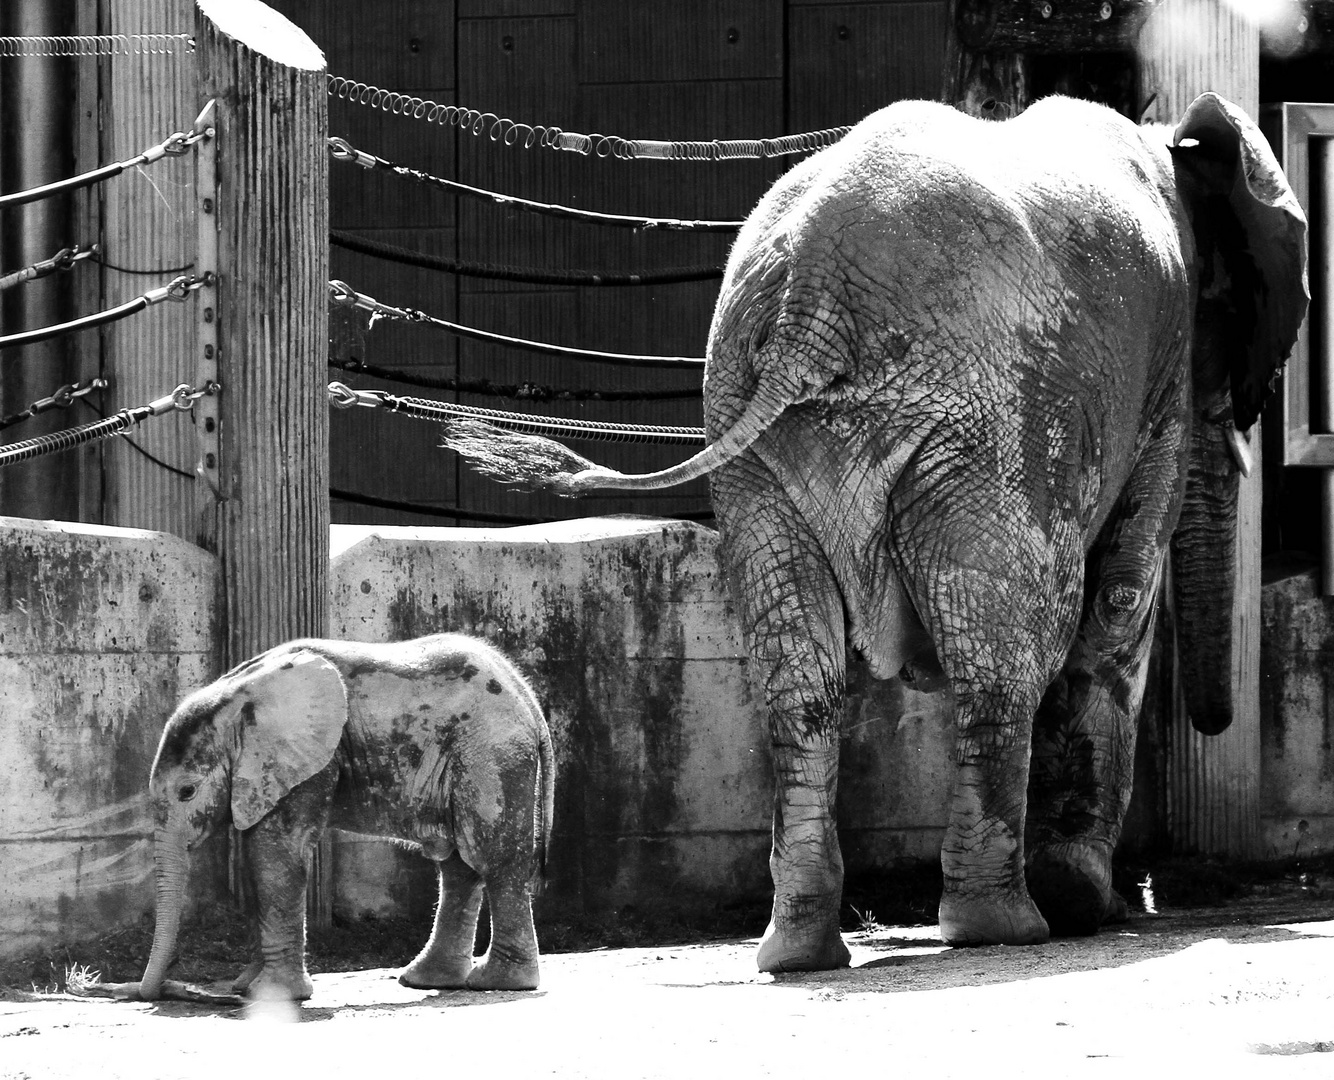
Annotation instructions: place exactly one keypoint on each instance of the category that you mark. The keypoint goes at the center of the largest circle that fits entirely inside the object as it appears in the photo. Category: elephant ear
(1250, 237)
(289, 711)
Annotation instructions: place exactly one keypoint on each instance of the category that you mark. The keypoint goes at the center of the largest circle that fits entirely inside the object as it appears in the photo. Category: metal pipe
(37, 147)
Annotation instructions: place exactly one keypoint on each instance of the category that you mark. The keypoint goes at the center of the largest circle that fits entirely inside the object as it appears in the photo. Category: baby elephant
(438, 742)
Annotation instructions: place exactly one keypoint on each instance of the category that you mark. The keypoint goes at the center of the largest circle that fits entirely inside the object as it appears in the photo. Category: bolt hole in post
(733, 35)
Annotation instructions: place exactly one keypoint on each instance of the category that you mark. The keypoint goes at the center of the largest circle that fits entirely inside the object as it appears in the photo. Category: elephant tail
(547, 805)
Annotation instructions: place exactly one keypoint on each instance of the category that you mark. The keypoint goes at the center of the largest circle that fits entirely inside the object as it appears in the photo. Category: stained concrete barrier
(624, 626)
(101, 631)
(1296, 716)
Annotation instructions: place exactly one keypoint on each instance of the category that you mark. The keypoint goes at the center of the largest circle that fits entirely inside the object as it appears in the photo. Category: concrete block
(664, 789)
(101, 631)
(1297, 717)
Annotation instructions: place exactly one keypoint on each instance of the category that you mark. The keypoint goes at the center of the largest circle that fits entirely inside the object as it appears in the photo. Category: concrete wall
(101, 631)
(1297, 717)
(663, 792)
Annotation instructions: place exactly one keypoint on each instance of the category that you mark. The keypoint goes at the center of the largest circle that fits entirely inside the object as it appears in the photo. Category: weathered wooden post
(1213, 782)
(264, 438)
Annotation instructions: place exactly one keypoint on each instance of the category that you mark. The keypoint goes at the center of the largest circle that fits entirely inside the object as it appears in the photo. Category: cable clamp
(342, 150)
(342, 396)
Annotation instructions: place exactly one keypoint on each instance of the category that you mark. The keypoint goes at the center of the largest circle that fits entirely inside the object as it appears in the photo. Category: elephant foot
(991, 919)
(426, 973)
(268, 985)
(1118, 911)
(812, 946)
(1072, 888)
(494, 973)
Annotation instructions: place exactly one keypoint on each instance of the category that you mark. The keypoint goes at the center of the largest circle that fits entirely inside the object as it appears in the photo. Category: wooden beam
(1213, 782)
(266, 496)
(992, 84)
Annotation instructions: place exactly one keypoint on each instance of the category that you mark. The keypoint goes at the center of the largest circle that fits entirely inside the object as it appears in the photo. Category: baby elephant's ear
(1251, 233)
(292, 708)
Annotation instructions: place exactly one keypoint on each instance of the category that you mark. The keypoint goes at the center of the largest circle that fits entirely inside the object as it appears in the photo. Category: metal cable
(341, 150)
(378, 250)
(511, 133)
(176, 290)
(98, 45)
(343, 397)
(341, 293)
(173, 145)
(183, 397)
(64, 259)
(516, 391)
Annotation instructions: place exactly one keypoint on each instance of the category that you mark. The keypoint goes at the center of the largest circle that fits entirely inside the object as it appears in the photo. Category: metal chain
(182, 398)
(98, 45)
(342, 293)
(341, 150)
(511, 133)
(60, 399)
(342, 396)
(64, 259)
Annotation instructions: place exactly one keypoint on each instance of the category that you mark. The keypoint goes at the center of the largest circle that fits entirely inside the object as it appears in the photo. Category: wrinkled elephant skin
(437, 742)
(1006, 361)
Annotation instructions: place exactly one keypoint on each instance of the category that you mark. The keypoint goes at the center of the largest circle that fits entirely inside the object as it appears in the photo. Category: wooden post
(266, 508)
(1213, 782)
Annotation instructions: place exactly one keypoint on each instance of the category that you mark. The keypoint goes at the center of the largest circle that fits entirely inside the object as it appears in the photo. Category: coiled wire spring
(512, 133)
(98, 45)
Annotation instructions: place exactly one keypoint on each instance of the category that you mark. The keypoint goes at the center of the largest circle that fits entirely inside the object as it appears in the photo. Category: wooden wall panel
(847, 60)
(700, 69)
(148, 223)
(691, 40)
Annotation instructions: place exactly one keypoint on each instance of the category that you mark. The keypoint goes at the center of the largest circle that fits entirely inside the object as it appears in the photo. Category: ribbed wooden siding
(148, 224)
(698, 69)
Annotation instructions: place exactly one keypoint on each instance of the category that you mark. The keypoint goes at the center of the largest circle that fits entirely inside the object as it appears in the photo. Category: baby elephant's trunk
(172, 864)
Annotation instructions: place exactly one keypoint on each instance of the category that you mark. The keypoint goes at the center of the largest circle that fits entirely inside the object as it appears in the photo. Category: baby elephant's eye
(186, 793)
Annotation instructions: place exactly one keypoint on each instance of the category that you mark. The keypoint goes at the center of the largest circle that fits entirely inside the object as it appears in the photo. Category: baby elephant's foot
(432, 973)
(494, 973)
(273, 985)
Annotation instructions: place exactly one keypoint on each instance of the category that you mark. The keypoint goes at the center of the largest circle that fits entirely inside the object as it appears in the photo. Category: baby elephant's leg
(510, 962)
(446, 959)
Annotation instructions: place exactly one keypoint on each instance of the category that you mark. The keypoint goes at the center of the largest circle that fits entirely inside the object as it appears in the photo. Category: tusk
(1241, 450)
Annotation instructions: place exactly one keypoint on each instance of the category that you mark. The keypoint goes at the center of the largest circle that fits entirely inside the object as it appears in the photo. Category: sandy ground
(1240, 993)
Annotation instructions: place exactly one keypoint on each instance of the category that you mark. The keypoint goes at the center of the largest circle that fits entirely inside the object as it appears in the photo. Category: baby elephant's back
(447, 729)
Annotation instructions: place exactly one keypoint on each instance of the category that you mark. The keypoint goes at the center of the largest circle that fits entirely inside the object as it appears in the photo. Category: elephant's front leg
(792, 615)
(274, 854)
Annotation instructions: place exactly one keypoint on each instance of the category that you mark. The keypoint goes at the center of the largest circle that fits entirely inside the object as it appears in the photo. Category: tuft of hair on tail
(528, 462)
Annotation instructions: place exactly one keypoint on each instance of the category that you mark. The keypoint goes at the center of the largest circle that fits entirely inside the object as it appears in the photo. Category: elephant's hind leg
(1001, 601)
(792, 610)
(446, 959)
(511, 960)
(1084, 734)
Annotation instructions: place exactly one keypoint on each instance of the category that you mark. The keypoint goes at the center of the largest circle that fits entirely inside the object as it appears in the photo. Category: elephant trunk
(1203, 578)
(172, 865)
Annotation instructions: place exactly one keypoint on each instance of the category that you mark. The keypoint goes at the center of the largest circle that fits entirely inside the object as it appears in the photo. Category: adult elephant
(961, 378)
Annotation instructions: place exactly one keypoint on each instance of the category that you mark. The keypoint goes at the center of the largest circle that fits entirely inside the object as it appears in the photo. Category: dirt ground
(1241, 988)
